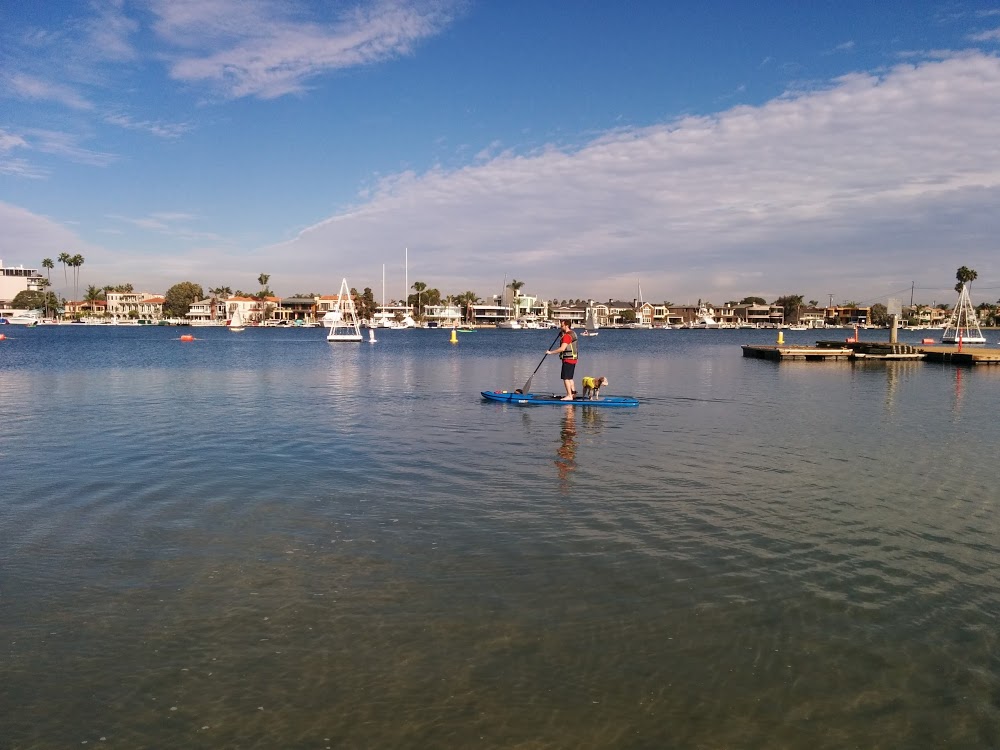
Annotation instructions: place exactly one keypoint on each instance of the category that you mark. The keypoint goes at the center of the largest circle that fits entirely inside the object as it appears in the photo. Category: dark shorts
(568, 368)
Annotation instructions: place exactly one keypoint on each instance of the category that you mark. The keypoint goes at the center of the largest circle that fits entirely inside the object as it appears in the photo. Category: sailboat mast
(406, 278)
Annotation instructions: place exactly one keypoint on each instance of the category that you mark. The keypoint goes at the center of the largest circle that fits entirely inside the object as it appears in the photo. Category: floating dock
(873, 350)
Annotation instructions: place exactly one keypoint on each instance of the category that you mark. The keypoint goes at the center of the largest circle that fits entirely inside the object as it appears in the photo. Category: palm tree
(92, 295)
(48, 265)
(64, 259)
(965, 276)
(263, 294)
(467, 300)
(75, 262)
(418, 287)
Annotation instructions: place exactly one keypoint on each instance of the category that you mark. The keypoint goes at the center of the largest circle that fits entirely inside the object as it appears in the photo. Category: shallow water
(264, 540)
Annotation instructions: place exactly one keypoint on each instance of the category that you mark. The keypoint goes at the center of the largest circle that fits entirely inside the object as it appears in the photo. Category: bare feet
(566, 398)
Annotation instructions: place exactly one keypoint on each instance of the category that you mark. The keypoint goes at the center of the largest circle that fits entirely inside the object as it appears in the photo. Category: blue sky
(707, 149)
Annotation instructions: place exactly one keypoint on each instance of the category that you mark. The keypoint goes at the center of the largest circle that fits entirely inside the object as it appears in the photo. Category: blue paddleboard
(535, 399)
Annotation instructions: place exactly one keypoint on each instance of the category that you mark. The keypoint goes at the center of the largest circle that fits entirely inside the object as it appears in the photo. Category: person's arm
(562, 348)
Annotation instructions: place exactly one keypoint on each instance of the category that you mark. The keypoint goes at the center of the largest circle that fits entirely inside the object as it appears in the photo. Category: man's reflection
(566, 455)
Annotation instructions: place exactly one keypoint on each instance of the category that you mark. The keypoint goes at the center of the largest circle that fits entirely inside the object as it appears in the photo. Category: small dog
(592, 387)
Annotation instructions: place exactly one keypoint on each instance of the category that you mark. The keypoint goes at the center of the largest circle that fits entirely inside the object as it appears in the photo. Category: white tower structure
(963, 326)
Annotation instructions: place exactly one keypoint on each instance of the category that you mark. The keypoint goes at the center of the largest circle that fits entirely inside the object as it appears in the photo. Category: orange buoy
(927, 341)
(187, 337)
(2, 337)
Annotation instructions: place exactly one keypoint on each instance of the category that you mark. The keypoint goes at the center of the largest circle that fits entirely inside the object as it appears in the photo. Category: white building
(17, 279)
(130, 304)
(442, 316)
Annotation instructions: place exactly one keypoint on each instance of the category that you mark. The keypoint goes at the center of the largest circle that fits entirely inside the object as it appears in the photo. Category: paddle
(527, 386)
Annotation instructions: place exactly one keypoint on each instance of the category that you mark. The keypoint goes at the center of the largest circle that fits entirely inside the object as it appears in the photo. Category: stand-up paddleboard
(537, 399)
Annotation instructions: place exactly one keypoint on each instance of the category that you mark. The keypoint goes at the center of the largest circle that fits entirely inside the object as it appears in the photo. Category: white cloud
(993, 35)
(24, 86)
(66, 145)
(167, 130)
(267, 49)
(106, 33)
(864, 184)
(16, 166)
(28, 237)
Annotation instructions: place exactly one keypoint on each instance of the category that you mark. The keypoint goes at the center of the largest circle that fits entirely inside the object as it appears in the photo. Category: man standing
(567, 353)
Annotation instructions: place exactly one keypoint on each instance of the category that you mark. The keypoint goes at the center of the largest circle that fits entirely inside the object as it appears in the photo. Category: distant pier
(874, 350)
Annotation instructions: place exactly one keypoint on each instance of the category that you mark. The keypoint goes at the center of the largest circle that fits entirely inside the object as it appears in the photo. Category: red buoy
(187, 337)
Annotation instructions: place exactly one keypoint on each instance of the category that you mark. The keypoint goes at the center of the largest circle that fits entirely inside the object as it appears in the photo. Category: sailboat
(963, 327)
(343, 319)
(236, 323)
(590, 323)
(640, 321)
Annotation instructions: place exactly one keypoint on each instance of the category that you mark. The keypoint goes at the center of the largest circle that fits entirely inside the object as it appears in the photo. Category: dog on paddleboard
(592, 387)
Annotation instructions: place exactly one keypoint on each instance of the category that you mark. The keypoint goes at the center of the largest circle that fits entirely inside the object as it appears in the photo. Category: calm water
(267, 541)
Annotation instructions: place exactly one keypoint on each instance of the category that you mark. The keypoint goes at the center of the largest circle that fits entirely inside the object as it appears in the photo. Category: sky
(844, 151)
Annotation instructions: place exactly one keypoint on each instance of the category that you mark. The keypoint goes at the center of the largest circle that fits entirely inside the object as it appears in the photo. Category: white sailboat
(590, 324)
(236, 324)
(963, 326)
(640, 321)
(343, 319)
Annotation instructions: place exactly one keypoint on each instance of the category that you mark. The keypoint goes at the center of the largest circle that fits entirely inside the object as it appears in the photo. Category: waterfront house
(847, 316)
(132, 304)
(201, 312)
(442, 316)
(760, 316)
(527, 306)
(575, 314)
(89, 308)
(291, 309)
(152, 308)
(248, 306)
(489, 314)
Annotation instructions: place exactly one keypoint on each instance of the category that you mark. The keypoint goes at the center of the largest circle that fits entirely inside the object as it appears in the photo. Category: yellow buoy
(454, 336)
(781, 337)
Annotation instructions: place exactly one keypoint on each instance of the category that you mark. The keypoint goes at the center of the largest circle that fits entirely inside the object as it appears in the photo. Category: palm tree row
(68, 261)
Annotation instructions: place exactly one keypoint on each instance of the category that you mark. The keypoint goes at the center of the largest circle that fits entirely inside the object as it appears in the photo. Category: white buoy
(371, 335)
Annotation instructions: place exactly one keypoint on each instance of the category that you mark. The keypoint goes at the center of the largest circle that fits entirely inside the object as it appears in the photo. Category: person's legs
(567, 377)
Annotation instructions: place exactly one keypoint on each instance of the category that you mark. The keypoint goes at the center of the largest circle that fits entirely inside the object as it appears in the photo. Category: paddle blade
(527, 386)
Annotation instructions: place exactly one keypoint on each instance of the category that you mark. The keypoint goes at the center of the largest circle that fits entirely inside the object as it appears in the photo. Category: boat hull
(539, 399)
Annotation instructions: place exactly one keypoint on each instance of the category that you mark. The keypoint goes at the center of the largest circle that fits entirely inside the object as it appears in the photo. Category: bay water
(262, 540)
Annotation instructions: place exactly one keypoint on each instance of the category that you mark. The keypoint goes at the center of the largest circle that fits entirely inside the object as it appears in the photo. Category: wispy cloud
(66, 145)
(174, 224)
(107, 32)
(16, 166)
(24, 86)
(168, 130)
(270, 49)
(993, 35)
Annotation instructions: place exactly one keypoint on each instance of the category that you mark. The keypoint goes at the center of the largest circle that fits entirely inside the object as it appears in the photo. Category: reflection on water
(566, 455)
(269, 541)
